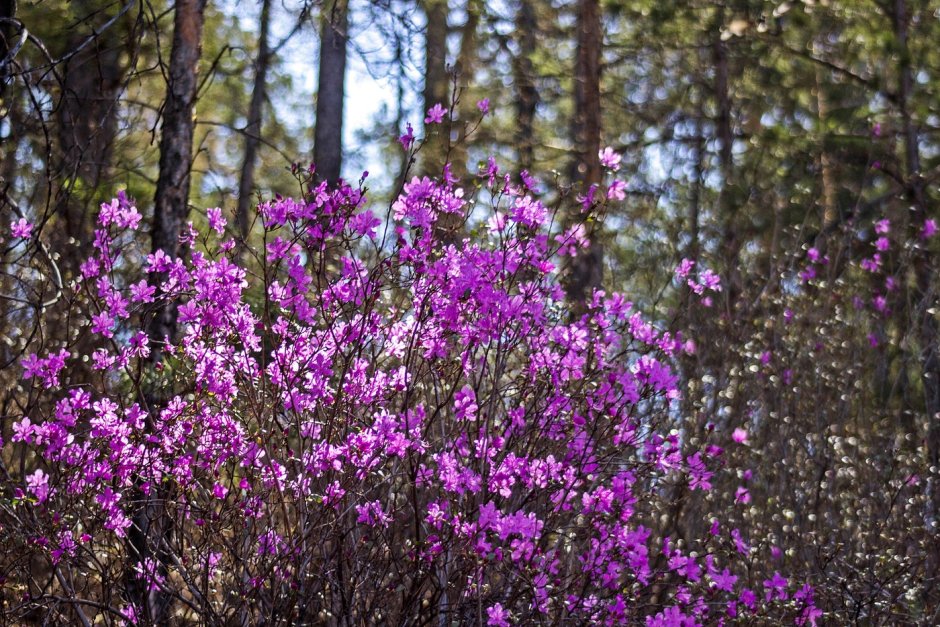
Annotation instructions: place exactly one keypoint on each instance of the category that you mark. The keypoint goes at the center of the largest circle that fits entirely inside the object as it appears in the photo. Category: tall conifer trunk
(151, 529)
(434, 152)
(246, 180)
(925, 320)
(586, 271)
(526, 96)
(328, 139)
(87, 118)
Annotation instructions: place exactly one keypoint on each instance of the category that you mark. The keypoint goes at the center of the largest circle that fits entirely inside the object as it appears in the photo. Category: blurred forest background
(751, 132)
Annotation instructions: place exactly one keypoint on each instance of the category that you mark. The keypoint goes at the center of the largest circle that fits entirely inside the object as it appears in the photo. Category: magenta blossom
(435, 114)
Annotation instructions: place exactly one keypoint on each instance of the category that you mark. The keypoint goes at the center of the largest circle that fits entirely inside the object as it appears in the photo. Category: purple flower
(484, 106)
(776, 587)
(497, 616)
(929, 228)
(617, 190)
(435, 114)
(21, 228)
(23, 431)
(216, 221)
(609, 159)
(38, 484)
(408, 138)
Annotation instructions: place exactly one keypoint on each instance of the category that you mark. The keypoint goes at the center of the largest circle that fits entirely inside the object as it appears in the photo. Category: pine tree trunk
(246, 180)
(586, 272)
(731, 238)
(434, 151)
(928, 333)
(527, 96)
(7, 32)
(87, 127)
(151, 528)
(466, 66)
(328, 139)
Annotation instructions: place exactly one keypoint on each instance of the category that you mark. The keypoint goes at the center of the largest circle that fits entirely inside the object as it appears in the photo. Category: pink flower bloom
(497, 616)
(23, 431)
(465, 405)
(372, 514)
(776, 587)
(739, 435)
(484, 106)
(38, 484)
(617, 190)
(739, 544)
(408, 138)
(872, 264)
(496, 223)
(435, 114)
(883, 226)
(748, 599)
(365, 223)
(103, 323)
(929, 228)
(141, 292)
(609, 159)
(216, 221)
(587, 200)
(21, 228)
(684, 268)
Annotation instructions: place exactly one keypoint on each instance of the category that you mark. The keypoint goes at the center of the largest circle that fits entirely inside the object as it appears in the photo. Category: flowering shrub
(369, 425)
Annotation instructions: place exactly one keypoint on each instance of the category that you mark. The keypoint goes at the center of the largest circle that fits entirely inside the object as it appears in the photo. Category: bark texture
(586, 271)
(527, 95)
(151, 532)
(92, 82)
(246, 180)
(328, 137)
(434, 151)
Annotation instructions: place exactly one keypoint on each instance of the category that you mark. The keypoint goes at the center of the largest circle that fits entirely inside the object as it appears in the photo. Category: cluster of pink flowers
(365, 406)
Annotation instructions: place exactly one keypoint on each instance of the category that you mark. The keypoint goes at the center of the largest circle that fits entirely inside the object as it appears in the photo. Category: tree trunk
(731, 238)
(434, 151)
(466, 65)
(527, 96)
(586, 128)
(925, 283)
(87, 127)
(7, 32)
(176, 141)
(586, 271)
(328, 138)
(826, 161)
(151, 527)
(246, 180)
